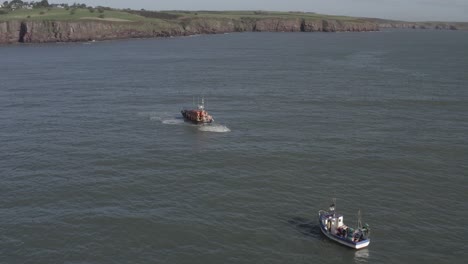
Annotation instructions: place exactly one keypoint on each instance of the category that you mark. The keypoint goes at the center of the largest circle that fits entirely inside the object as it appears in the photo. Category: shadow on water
(306, 226)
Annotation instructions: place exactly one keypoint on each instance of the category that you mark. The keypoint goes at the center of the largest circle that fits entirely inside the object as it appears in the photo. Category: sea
(98, 166)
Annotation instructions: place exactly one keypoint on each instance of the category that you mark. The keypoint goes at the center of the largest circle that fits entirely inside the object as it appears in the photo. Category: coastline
(147, 24)
(78, 31)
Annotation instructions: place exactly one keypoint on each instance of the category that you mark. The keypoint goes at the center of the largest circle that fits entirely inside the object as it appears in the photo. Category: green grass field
(258, 14)
(166, 18)
(67, 15)
(60, 14)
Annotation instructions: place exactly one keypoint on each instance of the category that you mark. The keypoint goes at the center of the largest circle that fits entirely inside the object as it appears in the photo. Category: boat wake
(214, 128)
(173, 121)
(150, 115)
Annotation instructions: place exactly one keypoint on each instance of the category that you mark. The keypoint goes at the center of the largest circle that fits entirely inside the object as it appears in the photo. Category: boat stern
(362, 244)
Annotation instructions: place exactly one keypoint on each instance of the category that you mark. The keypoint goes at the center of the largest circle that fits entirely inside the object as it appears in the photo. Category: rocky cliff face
(276, 25)
(424, 25)
(7, 32)
(53, 31)
(336, 26)
(65, 31)
(29, 31)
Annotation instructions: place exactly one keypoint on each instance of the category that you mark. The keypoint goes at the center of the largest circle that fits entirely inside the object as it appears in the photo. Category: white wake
(164, 118)
(215, 128)
(173, 121)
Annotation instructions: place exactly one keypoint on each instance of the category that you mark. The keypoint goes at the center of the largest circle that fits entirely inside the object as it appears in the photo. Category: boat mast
(359, 223)
(201, 106)
(333, 206)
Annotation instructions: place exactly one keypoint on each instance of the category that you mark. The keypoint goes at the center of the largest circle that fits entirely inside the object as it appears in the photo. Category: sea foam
(214, 128)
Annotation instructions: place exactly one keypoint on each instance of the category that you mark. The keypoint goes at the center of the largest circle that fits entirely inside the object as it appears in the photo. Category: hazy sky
(412, 10)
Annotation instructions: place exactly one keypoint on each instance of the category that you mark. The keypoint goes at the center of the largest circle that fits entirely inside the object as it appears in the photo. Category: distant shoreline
(82, 25)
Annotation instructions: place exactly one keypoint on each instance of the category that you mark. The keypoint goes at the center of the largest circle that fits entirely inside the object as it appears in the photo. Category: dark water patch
(306, 226)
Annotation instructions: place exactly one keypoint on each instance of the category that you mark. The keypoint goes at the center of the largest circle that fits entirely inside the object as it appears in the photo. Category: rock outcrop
(30, 31)
(423, 25)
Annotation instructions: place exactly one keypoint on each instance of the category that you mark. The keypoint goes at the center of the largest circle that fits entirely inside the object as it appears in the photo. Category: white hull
(358, 245)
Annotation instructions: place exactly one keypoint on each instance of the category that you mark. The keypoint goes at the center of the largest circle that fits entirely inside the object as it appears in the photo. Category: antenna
(333, 205)
(201, 106)
(359, 223)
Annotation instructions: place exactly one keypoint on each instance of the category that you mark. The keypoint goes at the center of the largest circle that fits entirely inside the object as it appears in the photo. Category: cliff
(60, 25)
(33, 31)
(425, 25)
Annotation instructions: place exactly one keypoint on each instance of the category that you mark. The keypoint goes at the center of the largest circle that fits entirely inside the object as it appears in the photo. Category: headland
(81, 23)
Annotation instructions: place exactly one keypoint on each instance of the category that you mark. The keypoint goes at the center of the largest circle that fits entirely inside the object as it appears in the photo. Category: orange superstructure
(198, 116)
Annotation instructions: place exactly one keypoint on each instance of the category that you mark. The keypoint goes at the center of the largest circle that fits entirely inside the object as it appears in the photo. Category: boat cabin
(334, 222)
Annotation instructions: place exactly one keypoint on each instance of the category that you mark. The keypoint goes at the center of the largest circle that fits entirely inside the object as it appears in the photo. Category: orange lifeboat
(198, 115)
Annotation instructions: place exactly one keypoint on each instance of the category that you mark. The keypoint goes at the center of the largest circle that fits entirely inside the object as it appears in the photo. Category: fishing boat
(332, 226)
(198, 115)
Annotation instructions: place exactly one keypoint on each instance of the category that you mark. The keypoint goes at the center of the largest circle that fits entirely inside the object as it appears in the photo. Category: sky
(409, 10)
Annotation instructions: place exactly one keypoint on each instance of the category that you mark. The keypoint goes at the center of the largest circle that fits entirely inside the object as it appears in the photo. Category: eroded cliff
(69, 31)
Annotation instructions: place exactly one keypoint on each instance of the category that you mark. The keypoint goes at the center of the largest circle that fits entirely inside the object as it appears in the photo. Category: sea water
(97, 165)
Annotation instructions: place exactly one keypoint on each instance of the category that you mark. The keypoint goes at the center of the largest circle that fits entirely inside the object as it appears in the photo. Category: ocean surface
(97, 166)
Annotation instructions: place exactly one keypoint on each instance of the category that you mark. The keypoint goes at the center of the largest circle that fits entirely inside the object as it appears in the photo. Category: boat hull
(189, 116)
(341, 240)
(197, 122)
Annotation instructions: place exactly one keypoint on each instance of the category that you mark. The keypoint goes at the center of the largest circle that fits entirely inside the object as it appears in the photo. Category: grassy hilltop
(73, 14)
